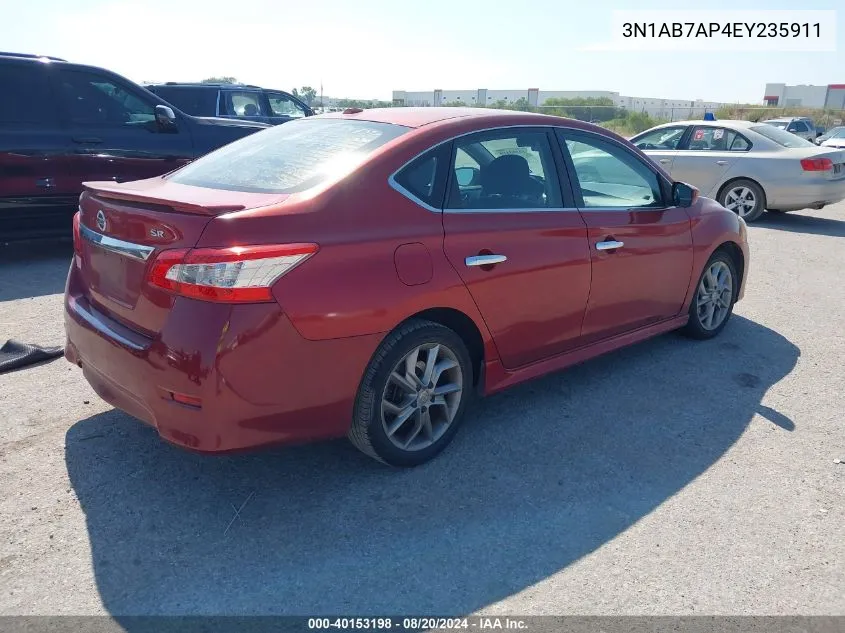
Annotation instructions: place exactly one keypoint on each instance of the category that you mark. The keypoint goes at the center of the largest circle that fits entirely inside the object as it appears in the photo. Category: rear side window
(425, 177)
(244, 103)
(781, 136)
(194, 101)
(717, 139)
(289, 158)
(25, 95)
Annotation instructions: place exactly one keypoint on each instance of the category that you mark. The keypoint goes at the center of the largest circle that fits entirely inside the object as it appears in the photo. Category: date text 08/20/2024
(417, 623)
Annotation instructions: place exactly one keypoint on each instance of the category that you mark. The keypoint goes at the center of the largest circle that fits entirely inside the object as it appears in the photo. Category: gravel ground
(673, 477)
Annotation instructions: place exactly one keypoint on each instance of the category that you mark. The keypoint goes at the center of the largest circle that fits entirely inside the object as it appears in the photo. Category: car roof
(31, 56)
(790, 118)
(177, 84)
(415, 117)
(723, 123)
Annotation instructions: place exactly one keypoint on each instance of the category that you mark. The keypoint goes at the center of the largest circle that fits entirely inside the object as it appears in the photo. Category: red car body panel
(289, 371)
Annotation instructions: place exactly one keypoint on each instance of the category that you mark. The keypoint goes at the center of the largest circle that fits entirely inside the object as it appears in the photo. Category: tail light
(816, 164)
(77, 237)
(240, 274)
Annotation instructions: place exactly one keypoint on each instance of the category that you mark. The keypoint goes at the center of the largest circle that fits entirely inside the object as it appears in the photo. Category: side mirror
(684, 195)
(165, 117)
(466, 176)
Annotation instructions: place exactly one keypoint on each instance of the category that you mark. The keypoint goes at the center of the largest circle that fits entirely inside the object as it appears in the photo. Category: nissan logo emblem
(101, 220)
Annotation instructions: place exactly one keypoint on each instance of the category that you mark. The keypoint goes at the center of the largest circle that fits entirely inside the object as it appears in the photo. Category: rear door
(661, 145)
(640, 245)
(32, 199)
(111, 130)
(707, 155)
(518, 246)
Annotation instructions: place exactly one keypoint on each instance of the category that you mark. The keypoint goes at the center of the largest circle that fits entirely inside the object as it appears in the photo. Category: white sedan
(748, 167)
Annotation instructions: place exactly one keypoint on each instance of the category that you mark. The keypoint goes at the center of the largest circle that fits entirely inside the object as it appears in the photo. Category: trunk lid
(836, 156)
(124, 226)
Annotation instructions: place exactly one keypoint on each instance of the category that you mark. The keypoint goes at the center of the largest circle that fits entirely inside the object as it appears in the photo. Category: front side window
(289, 158)
(609, 175)
(504, 170)
(717, 139)
(282, 105)
(92, 99)
(666, 138)
(244, 103)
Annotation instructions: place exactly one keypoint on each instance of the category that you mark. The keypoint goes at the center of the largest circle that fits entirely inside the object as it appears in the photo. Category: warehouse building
(661, 108)
(830, 97)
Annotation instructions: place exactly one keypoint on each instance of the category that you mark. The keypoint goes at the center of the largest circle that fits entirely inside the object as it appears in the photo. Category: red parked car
(367, 273)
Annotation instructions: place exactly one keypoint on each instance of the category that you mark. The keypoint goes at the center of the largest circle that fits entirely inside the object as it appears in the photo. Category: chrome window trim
(391, 180)
(128, 249)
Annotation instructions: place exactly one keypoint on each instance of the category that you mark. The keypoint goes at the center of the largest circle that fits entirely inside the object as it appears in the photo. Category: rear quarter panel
(351, 286)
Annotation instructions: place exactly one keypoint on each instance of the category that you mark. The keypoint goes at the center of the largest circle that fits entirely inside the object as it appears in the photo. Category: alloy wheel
(714, 296)
(741, 200)
(422, 397)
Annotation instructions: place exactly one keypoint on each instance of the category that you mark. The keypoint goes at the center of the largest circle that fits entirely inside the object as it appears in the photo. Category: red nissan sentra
(368, 273)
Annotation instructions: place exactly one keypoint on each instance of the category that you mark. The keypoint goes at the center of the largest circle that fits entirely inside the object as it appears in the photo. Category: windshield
(837, 132)
(778, 124)
(291, 157)
(781, 136)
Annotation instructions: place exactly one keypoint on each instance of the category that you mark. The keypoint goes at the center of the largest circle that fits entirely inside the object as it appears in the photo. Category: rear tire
(714, 298)
(413, 395)
(745, 198)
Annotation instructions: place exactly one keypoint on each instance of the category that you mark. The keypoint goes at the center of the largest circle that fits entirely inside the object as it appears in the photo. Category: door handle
(663, 161)
(45, 183)
(609, 245)
(485, 260)
(721, 162)
(89, 140)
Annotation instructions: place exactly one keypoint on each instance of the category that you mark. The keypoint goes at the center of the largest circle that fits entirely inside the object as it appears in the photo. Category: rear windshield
(291, 157)
(778, 124)
(195, 101)
(781, 137)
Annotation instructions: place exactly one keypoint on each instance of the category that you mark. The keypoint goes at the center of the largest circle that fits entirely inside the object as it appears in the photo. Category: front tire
(745, 198)
(412, 398)
(714, 298)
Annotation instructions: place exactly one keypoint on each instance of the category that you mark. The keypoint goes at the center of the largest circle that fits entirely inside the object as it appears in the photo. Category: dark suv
(235, 101)
(63, 124)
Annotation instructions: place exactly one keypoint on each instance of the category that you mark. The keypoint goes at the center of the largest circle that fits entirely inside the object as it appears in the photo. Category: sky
(368, 48)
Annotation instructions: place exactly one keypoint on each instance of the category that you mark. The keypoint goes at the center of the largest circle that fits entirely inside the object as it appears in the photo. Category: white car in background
(836, 138)
(747, 167)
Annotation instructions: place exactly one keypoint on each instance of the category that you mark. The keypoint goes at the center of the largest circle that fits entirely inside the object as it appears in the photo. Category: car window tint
(93, 99)
(611, 176)
(26, 96)
(194, 101)
(717, 139)
(503, 170)
(245, 103)
(291, 157)
(781, 136)
(419, 178)
(283, 105)
(666, 138)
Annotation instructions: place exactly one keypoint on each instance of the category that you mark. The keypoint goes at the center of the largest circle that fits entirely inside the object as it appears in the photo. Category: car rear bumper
(804, 195)
(258, 381)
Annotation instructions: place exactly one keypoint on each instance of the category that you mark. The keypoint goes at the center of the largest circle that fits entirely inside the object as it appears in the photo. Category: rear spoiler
(114, 191)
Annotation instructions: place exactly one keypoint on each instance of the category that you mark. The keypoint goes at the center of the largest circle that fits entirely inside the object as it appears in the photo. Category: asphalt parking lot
(673, 477)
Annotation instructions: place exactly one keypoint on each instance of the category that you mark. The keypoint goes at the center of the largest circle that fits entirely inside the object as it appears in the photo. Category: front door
(640, 245)
(521, 251)
(112, 133)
